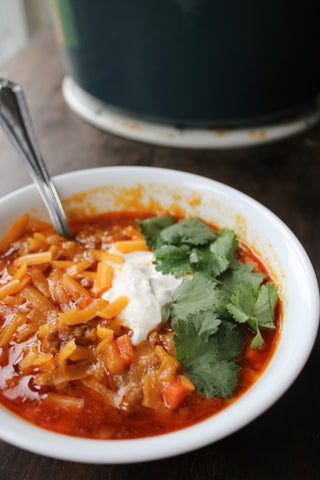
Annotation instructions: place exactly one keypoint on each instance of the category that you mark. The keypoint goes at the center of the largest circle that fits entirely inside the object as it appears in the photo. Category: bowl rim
(215, 428)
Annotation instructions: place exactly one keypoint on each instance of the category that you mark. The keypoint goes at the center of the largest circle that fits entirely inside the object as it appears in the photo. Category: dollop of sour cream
(149, 292)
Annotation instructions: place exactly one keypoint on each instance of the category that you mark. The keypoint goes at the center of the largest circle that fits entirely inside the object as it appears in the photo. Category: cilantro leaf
(172, 260)
(257, 341)
(214, 379)
(206, 346)
(242, 310)
(238, 274)
(197, 294)
(265, 305)
(204, 260)
(193, 327)
(151, 228)
(191, 231)
(225, 245)
(216, 257)
(257, 311)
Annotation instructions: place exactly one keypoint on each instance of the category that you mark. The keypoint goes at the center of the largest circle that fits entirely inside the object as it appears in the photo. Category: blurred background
(19, 21)
(182, 63)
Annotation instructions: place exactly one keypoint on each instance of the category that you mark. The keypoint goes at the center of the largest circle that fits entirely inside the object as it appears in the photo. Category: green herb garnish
(173, 260)
(151, 228)
(198, 293)
(217, 295)
(256, 311)
(206, 347)
(190, 231)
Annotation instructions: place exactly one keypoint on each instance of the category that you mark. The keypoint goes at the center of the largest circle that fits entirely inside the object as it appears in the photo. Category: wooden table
(284, 443)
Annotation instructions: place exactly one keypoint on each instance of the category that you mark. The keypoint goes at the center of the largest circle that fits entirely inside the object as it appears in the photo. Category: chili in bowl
(164, 325)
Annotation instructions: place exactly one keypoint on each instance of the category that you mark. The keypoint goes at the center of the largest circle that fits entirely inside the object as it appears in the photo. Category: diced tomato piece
(119, 354)
(112, 359)
(174, 391)
(84, 302)
(126, 349)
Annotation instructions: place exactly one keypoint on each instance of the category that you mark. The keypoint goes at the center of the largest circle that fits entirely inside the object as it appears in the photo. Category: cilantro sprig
(257, 311)
(217, 294)
(206, 347)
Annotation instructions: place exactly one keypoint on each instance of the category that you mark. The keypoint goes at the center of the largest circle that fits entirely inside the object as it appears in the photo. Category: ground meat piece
(166, 340)
(132, 398)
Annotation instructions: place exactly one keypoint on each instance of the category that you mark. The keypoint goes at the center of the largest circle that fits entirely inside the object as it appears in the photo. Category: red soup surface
(67, 361)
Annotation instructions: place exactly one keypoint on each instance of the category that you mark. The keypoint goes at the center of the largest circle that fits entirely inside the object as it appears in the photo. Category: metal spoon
(16, 122)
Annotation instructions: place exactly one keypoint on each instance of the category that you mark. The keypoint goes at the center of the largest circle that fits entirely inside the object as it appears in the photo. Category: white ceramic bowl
(114, 188)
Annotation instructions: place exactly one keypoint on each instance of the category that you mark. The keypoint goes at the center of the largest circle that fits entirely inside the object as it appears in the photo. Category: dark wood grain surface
(284, 443)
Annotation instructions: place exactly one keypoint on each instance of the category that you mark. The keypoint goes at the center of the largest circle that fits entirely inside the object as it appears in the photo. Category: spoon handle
(16, 122)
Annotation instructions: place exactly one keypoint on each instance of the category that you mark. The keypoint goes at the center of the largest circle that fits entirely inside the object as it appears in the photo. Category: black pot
(194, 62)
